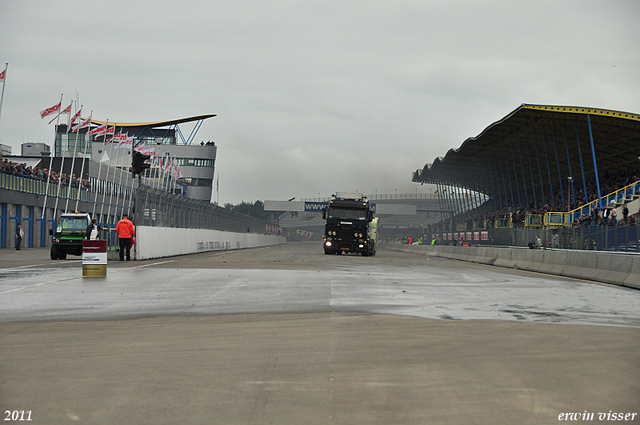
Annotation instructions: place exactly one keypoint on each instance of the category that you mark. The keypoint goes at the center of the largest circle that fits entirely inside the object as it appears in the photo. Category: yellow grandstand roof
(540, 145)
(156, 123)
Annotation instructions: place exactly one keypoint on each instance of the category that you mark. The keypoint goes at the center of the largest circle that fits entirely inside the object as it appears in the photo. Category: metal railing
(39, 187)
(617, 198)
(158, 208)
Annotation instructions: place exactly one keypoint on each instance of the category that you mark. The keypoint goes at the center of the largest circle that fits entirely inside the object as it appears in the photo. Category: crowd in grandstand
(42, 174)
(516, 216)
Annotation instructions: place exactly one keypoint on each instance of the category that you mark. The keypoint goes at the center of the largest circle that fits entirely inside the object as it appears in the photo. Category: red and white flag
(49, 111)
(83, 124)
(3, 75)
(119, 137)
(110, 131)
(125, 143)
(74, 118)
(66, 110)
(98, 130)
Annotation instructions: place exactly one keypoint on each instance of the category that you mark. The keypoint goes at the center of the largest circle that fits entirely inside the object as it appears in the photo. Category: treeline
(254, 210)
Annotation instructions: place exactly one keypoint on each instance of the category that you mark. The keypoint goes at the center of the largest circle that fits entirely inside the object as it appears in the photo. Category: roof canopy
(537, 148)
(155, 124)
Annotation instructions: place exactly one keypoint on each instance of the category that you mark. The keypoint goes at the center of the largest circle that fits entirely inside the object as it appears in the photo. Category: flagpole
(116, 188)
(46, 189)
(124, 196)
(4, 83)
(73, 163)
(133, 176)
(93, 213)
(55, 207)
(84, 160)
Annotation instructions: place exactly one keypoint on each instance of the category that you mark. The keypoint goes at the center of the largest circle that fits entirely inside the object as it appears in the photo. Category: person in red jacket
(125, 231)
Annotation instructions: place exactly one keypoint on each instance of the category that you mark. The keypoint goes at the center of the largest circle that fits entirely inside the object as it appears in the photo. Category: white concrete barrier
(616, 268)
(158, 242)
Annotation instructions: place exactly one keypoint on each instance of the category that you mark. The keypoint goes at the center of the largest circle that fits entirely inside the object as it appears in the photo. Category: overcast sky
(314, 97)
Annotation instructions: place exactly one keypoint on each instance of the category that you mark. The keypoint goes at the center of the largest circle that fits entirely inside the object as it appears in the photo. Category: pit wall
(158, 242)
(618, 269)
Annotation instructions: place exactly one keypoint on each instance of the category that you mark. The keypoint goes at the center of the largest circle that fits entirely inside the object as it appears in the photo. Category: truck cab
(68, 235)
(349, 226)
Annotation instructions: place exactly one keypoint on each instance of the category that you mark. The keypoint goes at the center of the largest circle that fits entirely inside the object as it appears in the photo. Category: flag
(3, 75)
(119, 137)
(66, 110)
(74, 119)
(83, 124)
(108, 131)
(49, 111)
(98, 130)
(125, 143)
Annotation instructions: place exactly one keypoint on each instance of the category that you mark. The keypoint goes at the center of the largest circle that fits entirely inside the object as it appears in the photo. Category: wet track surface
(299, 278)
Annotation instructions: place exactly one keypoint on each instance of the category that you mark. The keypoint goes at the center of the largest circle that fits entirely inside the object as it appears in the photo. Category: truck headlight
(327, 243)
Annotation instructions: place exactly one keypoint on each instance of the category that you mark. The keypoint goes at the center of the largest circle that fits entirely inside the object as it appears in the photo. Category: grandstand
(566, 172)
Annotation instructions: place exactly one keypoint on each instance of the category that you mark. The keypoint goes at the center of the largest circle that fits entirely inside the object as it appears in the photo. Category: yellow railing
(567, 218)
(38, 187)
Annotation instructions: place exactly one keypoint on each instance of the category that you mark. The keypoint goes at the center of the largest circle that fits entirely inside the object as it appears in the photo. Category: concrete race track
(288, 335)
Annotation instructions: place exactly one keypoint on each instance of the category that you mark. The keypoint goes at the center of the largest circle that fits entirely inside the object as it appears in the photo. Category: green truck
(69, 233)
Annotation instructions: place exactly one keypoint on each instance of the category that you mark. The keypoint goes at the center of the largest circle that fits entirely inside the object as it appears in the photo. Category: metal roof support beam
(546, 154)
(181, 135)
(533, 185)
(489, 180)
(503, 202)
(461, 199)
(476, 195)
(467, 195)
(584, 181)
(535, 143)
(515, 174)
(493, 189)
(524, 180)
(452, 199)
(513, 203)
(466, 201)
(504, 183)
(487, 203)
(439, 201)
(194, 131)
(571, 187)
(555, 144)
(456, 200)
(595, 163)
(445, 199)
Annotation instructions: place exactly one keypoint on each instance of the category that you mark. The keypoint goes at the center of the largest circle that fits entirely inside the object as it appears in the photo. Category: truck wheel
(54, 252)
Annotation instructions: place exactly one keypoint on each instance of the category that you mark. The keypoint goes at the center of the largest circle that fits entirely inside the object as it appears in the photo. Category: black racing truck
(68, 235)
(350, 225)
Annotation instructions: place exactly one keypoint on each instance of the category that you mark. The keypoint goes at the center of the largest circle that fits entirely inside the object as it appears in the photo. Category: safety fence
(40, 187)
(158, 208)
(601, 238)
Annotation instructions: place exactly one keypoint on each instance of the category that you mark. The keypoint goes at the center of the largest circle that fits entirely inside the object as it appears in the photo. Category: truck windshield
(74, 224)
(345, 213)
